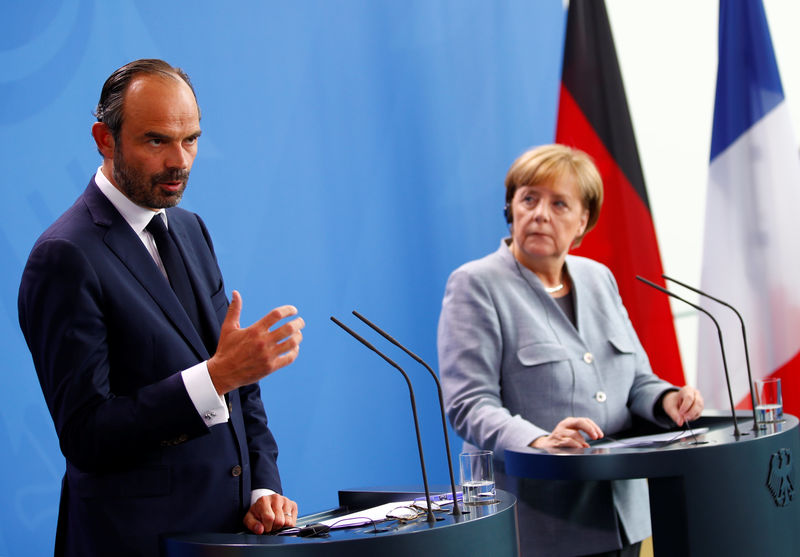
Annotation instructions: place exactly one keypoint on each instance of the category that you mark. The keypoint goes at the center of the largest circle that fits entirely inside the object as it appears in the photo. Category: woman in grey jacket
(536, 348)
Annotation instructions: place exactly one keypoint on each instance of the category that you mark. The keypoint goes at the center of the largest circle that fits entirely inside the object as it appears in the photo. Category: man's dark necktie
(176, 269)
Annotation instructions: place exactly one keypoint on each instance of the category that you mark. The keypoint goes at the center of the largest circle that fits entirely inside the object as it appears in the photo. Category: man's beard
(145, 190)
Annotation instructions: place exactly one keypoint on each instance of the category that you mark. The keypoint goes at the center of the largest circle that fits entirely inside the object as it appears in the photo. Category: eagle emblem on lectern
(781, 477)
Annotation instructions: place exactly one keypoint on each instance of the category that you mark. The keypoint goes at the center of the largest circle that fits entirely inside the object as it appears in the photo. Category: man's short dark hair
(110, 107)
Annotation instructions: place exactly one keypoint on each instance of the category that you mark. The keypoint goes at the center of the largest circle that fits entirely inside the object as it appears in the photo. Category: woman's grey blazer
(513, 365)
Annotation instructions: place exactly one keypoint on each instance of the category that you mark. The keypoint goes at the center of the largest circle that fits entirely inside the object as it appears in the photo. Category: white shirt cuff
(209, 404)
(257, 494)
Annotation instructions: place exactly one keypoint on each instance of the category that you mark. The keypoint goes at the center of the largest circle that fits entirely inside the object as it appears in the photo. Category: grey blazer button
(588, 358)
(236, 471)
(600, 396)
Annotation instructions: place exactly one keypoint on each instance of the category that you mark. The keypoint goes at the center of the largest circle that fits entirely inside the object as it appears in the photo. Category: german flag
(593, 116)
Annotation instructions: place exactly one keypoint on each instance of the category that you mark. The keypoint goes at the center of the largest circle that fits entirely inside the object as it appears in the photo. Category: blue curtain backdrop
(353, 155)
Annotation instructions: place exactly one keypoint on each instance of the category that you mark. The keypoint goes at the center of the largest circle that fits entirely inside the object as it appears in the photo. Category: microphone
(430, 517)
(736, 432)
(384, 334)
(744, 339)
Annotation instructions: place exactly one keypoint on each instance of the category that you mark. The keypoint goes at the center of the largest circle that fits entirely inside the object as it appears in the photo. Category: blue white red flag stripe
(751, 251)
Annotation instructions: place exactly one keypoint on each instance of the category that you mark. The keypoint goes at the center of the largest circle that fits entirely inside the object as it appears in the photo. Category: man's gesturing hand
(246, 355)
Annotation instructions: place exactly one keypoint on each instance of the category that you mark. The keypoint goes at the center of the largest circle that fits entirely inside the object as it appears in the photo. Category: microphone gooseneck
(744, 339)
(387, 336)
(430, 517)
(736, 431)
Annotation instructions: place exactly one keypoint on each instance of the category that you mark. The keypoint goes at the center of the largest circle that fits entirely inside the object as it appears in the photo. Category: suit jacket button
(236, 471)
(588, 358)
(600, 396)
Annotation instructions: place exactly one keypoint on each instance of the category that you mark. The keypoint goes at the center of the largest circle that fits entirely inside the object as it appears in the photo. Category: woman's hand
(684, 405)
(568, 434)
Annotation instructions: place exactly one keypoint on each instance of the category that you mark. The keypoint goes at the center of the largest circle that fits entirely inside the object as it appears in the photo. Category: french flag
(751, 251)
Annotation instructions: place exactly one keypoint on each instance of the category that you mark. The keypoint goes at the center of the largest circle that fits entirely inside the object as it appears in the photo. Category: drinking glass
(477, 477)
(769, 402)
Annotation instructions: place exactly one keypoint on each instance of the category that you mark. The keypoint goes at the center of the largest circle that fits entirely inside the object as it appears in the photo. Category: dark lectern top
(486, 530)
(599, 463)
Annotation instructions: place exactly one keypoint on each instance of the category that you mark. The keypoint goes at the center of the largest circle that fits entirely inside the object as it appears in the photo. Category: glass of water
(477, 477)
(769, 401)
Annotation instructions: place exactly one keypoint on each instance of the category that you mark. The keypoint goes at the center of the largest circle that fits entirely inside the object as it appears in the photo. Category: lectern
(486, 530)
(713, 495)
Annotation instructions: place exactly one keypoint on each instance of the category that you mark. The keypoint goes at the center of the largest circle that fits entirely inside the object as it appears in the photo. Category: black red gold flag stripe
(593, 116)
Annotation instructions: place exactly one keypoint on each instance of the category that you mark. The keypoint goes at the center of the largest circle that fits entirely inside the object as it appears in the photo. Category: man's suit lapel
(124, 243)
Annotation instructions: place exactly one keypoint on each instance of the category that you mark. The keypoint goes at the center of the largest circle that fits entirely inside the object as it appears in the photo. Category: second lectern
(712, 494)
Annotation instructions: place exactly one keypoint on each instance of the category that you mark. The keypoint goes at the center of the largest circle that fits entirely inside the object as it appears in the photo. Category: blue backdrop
(353, 154)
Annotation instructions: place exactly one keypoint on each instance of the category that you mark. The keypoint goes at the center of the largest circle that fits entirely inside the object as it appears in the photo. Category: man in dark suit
(150, 380)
